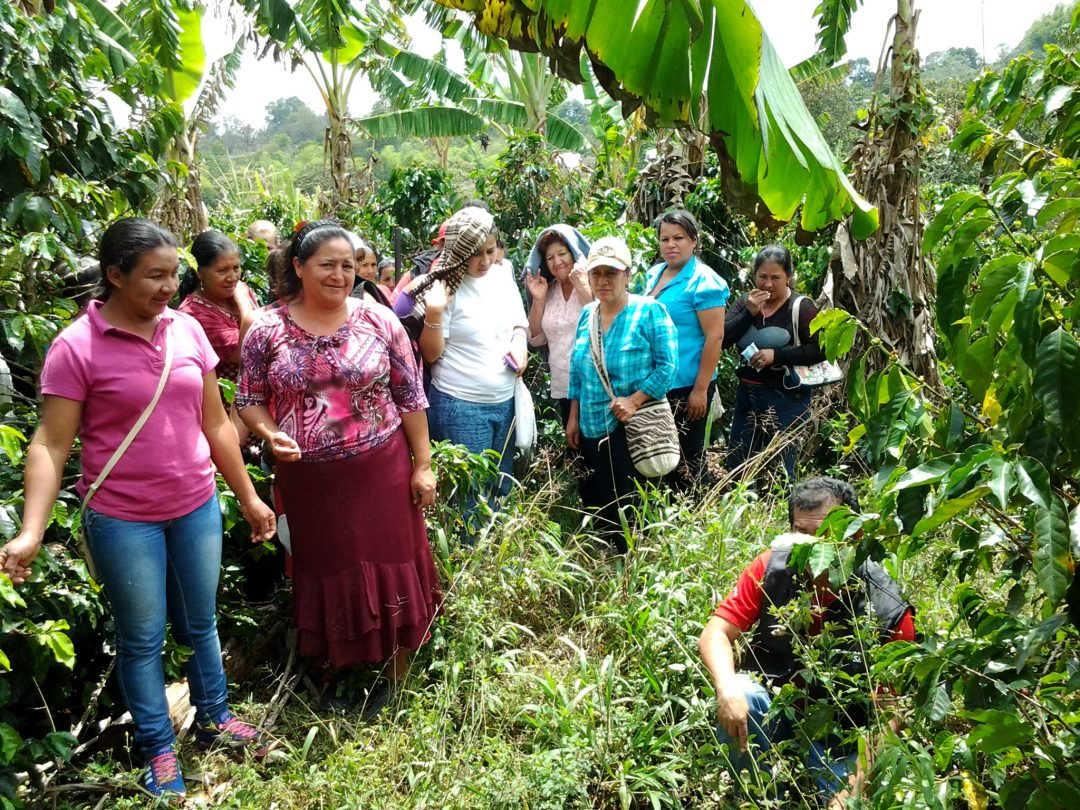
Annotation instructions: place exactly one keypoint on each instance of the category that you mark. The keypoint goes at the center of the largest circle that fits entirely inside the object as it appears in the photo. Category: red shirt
(743, 606)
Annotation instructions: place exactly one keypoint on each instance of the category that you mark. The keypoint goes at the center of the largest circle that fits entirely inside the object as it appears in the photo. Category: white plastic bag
(524, 417)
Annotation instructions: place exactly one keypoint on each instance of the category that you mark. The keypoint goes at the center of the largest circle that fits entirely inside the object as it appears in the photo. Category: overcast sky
(979, 24)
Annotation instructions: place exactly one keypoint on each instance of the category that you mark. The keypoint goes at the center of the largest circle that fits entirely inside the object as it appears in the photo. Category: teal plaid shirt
(640, 351)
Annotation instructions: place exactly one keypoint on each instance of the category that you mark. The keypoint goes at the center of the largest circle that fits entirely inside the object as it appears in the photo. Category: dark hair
(476, 204)
(124, 242)
(207, 247)
(275, 267)
(387, 262)
(777, 254)
(302, 246)
(681, 217)
(814, 493)
(548, 239)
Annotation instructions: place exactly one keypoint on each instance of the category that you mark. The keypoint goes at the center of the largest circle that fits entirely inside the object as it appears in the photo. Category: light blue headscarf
(578, 244)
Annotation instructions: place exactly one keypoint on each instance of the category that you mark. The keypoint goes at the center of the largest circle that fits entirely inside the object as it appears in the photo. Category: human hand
(520, 355)
(16, 556)
(697, 404)
(732, 712)
(763, 359)
(284, 446)
(537, 286)
(579, 277)
(436, 299)
(573, 434)
(261, 518)
(242, 297)
(756, 299)
(422, 486)
(624, 408)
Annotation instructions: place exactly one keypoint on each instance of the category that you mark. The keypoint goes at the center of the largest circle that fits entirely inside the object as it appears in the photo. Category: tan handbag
(84, 545)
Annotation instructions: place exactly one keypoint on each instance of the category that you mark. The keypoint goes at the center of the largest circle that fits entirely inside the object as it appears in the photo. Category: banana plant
(433, 101)
(705, 61)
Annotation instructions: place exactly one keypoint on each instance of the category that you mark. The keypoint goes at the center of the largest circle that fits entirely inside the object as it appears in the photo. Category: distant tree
(954, 64)
(861, 75)
(1049, 29)
(292, 117)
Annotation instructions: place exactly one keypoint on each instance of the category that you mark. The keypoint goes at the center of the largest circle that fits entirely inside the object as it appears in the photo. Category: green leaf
(837, 329)
(1033, 482)
(947, 510)
(928, 473)
(10, 743)
(184, 71)
(821, 557)
(422, 122)
(1035, 638)
(5, 662)
(997, 730)
(8, 593)
(1053, 562)
(1056, 382)
(1001, 481)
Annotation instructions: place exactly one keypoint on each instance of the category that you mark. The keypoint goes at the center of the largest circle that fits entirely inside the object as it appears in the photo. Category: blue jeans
(151, 571)
(829, 768)
(762, 412)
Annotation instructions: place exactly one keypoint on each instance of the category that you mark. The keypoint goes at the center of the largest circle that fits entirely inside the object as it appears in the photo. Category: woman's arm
(537, 286)
(432, 342)
(225, 453)
(573, 425)
(422, 485)
(45, 459)
(737, 320)
(712, 324)
(262, 424)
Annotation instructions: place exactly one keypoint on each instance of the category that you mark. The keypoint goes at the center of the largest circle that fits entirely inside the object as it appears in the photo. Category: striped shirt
(640, 352)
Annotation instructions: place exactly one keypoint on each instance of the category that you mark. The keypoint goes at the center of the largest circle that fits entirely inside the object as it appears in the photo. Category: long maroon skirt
(364, 581)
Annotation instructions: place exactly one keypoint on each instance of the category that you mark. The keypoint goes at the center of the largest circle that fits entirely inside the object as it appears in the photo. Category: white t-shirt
(477, 325)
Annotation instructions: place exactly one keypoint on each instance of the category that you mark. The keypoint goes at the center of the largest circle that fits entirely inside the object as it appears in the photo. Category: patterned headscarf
(466, 232)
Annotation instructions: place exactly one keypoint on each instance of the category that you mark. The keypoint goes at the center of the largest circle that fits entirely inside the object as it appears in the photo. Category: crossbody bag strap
(596, 343)
(137, 427)
(796, 308)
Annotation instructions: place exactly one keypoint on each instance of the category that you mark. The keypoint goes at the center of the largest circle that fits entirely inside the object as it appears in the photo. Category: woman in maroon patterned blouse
(221, 300)
(330, 382)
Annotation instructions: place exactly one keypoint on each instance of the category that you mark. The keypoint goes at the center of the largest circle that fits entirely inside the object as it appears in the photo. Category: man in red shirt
(743, 701)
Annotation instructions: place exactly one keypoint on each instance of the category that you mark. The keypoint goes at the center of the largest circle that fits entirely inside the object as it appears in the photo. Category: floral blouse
(335, 395)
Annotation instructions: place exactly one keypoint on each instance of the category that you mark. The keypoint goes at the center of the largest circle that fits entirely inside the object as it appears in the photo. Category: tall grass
(557, 676)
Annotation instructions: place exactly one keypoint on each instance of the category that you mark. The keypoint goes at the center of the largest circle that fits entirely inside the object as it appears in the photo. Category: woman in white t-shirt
(558, 284)
(473, 339)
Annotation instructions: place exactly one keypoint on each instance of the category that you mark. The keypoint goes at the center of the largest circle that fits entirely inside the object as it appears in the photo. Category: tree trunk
(884, 280)
(180, 208)
(339, 152)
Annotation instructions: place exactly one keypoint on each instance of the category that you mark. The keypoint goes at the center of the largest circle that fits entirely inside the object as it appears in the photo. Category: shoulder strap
(796, 307)
(596, 343)
(138, 426)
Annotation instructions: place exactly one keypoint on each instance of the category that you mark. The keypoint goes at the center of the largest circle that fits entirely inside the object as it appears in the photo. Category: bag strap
(796, 308)
(596, 343)
(137, 427)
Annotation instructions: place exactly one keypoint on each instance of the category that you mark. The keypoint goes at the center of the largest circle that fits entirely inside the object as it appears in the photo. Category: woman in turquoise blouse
(695, 297)
(639, 355)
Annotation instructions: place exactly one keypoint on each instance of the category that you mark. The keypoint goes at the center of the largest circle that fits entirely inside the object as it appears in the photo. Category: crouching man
(772, 659)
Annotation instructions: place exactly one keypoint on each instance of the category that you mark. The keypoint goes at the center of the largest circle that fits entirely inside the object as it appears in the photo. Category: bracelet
(432, 325)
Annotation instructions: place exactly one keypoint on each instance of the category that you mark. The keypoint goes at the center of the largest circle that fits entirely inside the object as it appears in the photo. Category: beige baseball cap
(609, 251)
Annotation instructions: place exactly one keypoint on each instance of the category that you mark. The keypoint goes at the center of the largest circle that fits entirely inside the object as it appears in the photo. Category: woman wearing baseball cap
(640, 352)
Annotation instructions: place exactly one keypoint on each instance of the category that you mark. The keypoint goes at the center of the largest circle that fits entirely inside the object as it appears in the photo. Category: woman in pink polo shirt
(154, 526)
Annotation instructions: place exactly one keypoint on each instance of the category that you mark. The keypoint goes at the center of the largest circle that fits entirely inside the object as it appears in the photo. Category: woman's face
(386, 275)
(609, 284)
(481, 261)
(220, 278)
(365, 264)
(327, 275)
(559, 260)
(676, 246)
(147, 290)
(772, 278)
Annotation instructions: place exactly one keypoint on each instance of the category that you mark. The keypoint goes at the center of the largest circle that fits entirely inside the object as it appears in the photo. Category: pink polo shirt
(166, 472)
